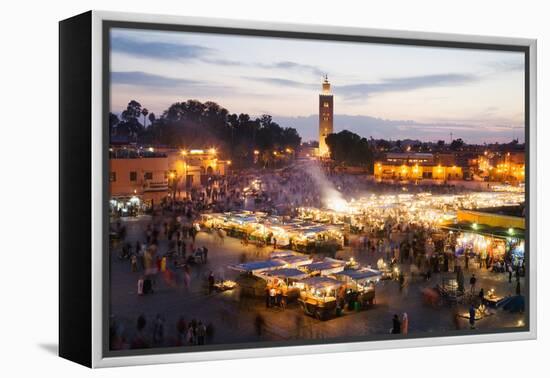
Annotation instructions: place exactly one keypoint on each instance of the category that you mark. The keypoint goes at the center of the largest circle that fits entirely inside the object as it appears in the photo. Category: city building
(491, 231)
(418, 166)
(152, 173)
(326, 117)
(501, 166)
(307, 151)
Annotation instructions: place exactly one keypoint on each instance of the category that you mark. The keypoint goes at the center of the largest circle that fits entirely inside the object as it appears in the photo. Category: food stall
(325, 267)
(257, 274)
(360, 285)
(285, 279)
(517, 251)
(318, 296)
(257, 267)
(250, 281)
(309, 238)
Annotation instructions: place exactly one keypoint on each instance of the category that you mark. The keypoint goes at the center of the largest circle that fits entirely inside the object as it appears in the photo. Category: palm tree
(144, 111)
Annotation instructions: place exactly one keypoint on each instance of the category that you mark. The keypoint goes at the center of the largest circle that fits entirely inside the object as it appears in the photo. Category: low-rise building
(142, 171)
(418, 166)
(502, 166)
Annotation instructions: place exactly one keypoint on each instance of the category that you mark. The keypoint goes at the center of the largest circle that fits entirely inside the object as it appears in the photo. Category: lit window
(325, 104)
(112, 176)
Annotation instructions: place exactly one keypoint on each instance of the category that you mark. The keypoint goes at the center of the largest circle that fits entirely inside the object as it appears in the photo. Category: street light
(172, 184)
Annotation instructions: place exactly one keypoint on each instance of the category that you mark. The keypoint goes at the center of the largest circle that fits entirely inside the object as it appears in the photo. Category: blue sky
(384, 91)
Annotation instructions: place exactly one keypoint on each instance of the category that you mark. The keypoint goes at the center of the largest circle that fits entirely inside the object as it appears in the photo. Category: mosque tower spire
(326, 114)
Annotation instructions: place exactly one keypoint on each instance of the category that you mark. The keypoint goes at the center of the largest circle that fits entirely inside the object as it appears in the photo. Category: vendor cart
(318, 296)
(360, 286)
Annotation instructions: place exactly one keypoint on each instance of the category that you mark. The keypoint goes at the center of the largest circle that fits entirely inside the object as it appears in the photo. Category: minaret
(326, 113)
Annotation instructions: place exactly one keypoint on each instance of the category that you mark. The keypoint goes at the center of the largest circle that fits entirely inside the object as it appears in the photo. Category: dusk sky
(383, 91)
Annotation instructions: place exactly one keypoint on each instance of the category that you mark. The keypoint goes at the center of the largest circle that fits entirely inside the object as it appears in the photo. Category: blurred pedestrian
(472, 314)
(201, 333)
(473, 281)
(158, 331)
(396, 325)
(405, 324)
(211, 282)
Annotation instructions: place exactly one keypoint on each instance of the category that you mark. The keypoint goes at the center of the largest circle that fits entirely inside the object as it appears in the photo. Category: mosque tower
(326, 116)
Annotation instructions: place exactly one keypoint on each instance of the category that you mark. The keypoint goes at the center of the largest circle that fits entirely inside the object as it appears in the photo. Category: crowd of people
(423, 249)
(156, 333)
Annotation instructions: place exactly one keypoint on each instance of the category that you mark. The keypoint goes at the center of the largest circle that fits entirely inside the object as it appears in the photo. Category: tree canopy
(351, 149)
(194, 124)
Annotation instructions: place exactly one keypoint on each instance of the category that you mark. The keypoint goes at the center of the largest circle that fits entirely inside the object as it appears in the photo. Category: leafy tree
(130, 125)
(192, 123)
(113, 122)
(457, 144)
(151, 118)
(132, 111)
(383, 145)
(349, 148)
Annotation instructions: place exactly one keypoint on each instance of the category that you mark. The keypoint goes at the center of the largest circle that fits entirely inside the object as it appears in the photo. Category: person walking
(201, 333)
(405, 324)
(472, 313)
(211, 282)
(190, 335)
(510, 271)
(133, 260)
(473, 281)
(181, 328)
(158, 331)
(272, 296)
(396, 325)
(140, 286)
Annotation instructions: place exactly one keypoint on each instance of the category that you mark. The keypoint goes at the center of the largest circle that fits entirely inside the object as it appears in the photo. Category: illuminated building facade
(326, 117)
(505, 166)
(153, 172)
(417, 166)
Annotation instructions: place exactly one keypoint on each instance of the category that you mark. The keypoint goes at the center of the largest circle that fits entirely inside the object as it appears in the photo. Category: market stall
(325, 267)
(257, 267)
(360, 286)
(285, 280)
(318, 296)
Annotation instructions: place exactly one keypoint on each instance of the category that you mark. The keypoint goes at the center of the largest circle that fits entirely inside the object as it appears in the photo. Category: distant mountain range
(378, 128)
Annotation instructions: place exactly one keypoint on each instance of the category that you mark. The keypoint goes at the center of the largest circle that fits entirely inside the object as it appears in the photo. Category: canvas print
(274, 190)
